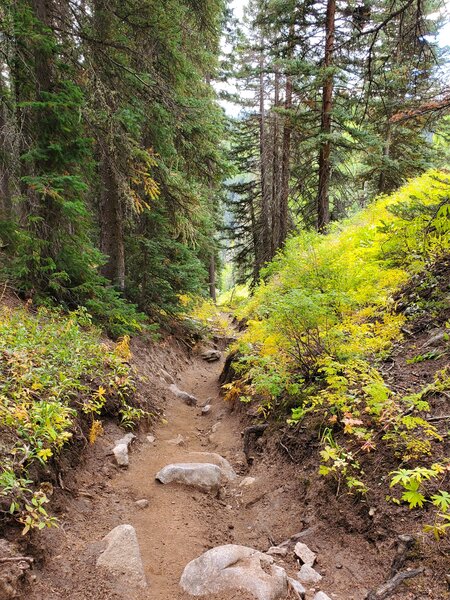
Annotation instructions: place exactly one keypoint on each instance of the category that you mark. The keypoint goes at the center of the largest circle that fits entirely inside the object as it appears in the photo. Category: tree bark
(212, 278)
(264, 245)
(286, 153)
(275, 169)
(111, 225)
(323, 193)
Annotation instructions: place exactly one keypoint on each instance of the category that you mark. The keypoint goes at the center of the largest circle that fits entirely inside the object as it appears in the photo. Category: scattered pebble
(206, 409)
(142, 503)
(178, 441)
(151, 439)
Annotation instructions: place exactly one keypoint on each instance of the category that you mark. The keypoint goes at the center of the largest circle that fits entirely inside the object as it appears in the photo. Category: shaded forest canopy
(115, 150)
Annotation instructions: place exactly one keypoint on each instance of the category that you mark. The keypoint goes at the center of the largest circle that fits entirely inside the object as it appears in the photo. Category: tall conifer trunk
(286, 151)
(112, 239)
(323, 193)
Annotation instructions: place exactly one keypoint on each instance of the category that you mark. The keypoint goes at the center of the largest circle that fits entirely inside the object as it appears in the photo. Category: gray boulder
(122, 556)
(187, 398)
(233, 567)
(204, 476)
(216, 459)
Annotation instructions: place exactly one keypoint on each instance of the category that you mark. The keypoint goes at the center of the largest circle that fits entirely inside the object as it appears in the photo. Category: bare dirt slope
(180, 523)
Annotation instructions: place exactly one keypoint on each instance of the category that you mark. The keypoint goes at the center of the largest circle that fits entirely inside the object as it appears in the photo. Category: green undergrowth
(321, 322)
(57, 378)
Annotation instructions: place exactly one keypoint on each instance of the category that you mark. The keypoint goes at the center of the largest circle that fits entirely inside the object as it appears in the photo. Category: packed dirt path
(180, 523)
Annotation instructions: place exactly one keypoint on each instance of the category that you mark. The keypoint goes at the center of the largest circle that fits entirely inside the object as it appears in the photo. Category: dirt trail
(180, 522)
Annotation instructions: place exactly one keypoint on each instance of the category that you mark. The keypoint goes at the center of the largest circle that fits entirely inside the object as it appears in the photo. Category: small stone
(297, 588)
(151, 439)
(187, 398)
(178, 441)
(277, 551)
(308, 575)
(167, 377)
(321, 596)
(372, 511)
(338, 566)
(247, 481)
(215, 427)
(121, 455)
(206, 409)
(211, 355)
(142, 503)
(306, 555)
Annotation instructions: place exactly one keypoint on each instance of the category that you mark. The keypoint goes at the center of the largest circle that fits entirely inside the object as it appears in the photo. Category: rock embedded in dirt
(211, 355)
(142, 503)
(151, 439)
(307, 556)
(177, 441)
(121, 455)
(122, 556)
(277, 551)
(233, 567)
(321, 596)
(204, 476)
(247, 481)
(211, 457)
(120, 450)
(297, 588)
(187, 398)
(206, 409)
(308, 575)
(167, 376)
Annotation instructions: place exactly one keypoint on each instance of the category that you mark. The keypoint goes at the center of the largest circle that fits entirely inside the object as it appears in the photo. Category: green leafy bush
(55, 373)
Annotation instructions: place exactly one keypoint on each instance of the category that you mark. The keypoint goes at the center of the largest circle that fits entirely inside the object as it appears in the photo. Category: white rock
(120, 450)
(142, 503)
(167, 376)
(216, 427)
(121, 455)
(308, 575)
(321, 596)
(187, 398)
(277, 551)
(211, 457)
(233, 567)
(122, 556)
(306, 555)
(247, 481)
(178, 441)
(206, 409)
(297, 588)
(204, 476)
(151, 439)
(127, 439)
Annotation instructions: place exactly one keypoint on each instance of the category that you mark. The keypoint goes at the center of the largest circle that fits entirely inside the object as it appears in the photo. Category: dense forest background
(115, 149)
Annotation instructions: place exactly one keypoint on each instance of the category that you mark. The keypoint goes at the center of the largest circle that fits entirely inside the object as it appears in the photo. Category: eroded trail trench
(180, 522)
